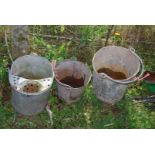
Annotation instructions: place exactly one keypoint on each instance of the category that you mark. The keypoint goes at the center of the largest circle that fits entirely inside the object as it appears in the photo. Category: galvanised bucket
(28, 73)
(71, 68)
(120, 59)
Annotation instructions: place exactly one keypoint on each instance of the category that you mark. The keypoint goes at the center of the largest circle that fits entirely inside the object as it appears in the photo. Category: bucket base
(69, 101)
(107, 101)
(27, 113)
(29, 105)
(107, 90)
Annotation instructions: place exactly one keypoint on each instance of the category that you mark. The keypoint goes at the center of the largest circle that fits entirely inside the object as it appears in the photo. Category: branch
(50, 114)
(56, 37)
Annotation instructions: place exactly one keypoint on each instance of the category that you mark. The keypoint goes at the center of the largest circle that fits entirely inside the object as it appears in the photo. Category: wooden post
(108, 34)
(19, 41)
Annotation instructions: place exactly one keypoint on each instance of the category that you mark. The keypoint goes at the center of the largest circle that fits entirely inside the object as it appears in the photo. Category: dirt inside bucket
(72, 81)
(31, 88)
(117, 75)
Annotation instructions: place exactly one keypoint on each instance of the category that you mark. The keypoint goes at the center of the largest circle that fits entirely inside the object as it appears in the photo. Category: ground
(79, 43)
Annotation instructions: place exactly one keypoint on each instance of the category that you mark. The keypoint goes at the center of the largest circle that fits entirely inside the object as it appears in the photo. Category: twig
(50, 114)
(70, 31)
(6, 42)
(55, 37)
(142, 41)
(77, 39)
(110, 124)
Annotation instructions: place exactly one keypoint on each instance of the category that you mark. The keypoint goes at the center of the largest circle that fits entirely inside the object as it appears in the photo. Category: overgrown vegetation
(80, 43)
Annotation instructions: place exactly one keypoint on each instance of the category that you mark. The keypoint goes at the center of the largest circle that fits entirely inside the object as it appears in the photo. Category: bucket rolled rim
(30, 55)
(124, 80)
(65, 85)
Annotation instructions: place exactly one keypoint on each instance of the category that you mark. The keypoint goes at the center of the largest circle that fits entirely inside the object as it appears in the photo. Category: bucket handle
(137, 78)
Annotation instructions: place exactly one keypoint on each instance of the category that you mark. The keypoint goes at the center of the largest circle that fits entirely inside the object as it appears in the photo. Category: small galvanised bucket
(31, 78)
(71, 77)
(120, 60)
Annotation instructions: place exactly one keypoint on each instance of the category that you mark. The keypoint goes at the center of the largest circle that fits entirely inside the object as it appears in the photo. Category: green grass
(89, 112)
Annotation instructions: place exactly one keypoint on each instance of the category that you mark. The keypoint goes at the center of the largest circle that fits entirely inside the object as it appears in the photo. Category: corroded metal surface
(69, 94)
(116, 58)
(71, 68)
(29, 104)
(107, 90)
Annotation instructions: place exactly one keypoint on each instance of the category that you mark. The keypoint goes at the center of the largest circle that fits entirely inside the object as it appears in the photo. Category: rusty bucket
(120, 67)
(71, 78)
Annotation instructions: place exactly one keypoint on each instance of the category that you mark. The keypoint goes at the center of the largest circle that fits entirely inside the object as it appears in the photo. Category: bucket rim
(31, 55)
(124, 81)
(68, 86)
(65, 85)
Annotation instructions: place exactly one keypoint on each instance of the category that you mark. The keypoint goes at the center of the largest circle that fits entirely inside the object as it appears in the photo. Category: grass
(89, 112)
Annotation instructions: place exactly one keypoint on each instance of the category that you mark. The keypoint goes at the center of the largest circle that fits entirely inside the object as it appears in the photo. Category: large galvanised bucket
(30, 77)
(71, 78)
(119, 60)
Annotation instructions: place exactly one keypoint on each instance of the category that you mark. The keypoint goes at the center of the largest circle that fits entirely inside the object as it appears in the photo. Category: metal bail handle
(140, 72)
(134, 79)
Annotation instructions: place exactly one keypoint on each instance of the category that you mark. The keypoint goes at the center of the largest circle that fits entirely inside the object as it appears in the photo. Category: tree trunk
(19, 41)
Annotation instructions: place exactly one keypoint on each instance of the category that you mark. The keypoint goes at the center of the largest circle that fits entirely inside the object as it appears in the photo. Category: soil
(31, 88)
(73, 82)
(6, 93)
(117, 75)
